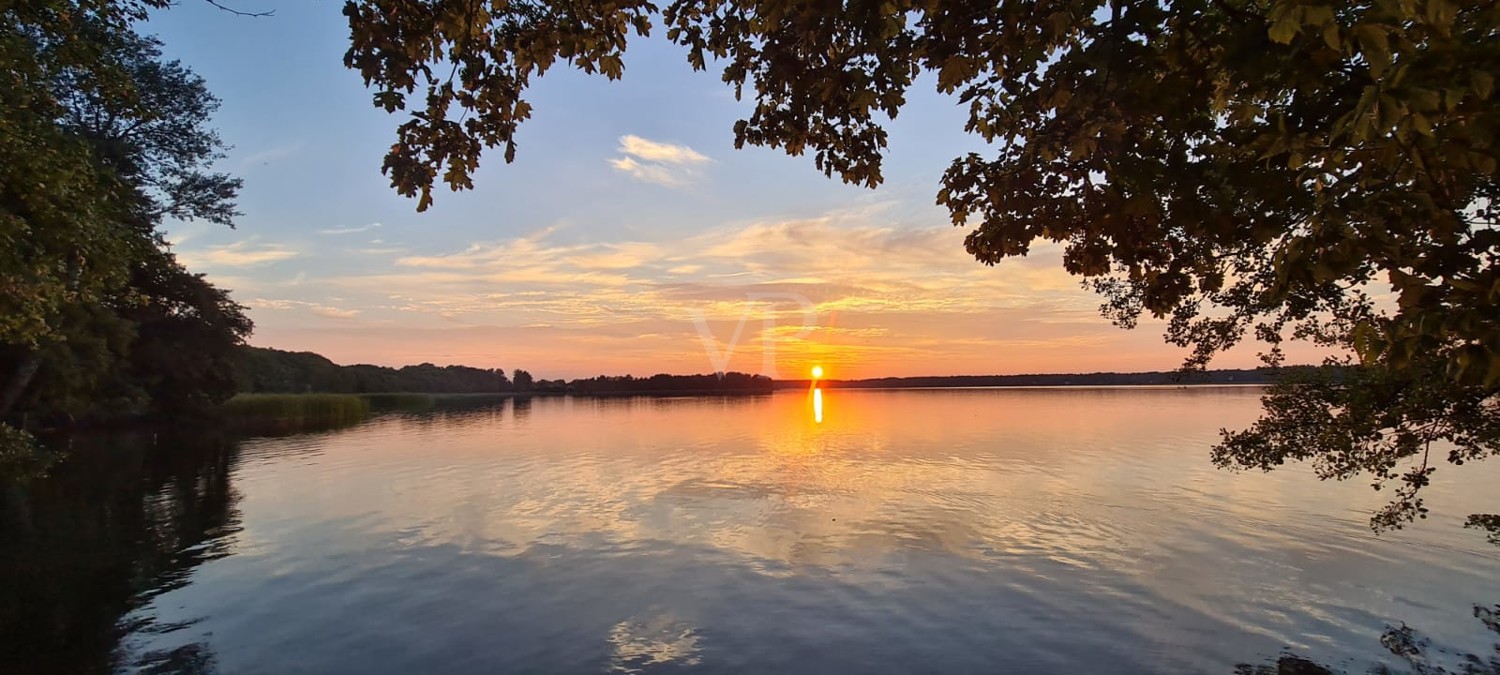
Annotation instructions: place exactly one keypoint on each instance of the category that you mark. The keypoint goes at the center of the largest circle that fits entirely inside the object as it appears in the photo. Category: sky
(629, 236)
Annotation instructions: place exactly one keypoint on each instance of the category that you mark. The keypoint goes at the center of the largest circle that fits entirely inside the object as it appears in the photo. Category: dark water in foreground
(1071, 530)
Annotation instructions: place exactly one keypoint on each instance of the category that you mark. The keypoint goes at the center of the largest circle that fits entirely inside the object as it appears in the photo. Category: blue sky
(628, 236)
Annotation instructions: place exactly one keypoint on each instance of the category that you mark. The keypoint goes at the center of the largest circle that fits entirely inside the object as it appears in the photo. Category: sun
(817, 372)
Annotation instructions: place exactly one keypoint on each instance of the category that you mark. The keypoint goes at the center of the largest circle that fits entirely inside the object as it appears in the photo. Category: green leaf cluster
(101, 141)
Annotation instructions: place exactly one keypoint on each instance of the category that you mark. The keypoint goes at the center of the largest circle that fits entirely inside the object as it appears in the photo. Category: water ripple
(1045, 531)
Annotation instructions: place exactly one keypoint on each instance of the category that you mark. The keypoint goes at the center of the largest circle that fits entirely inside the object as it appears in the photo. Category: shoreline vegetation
(1228, 376)
(290, 413)
(260, 370)
(279, 392)
(284, 391)
(263, 370)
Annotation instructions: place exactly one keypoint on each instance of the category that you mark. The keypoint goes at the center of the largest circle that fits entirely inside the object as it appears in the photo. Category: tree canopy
(261, 370)
(1283, 169)
(102, 141)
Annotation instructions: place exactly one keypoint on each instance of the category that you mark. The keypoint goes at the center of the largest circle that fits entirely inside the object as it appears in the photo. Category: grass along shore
(305, 412)
(294, 411)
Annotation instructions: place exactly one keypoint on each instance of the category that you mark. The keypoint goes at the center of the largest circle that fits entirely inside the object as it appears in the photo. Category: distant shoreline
(1257, 376)
(1184, 385)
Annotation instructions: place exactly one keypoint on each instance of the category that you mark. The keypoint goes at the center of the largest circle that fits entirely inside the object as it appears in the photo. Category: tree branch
(237, 12)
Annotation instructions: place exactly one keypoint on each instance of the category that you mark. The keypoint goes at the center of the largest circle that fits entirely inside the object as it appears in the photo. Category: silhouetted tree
(101, 140)
(522, 380)
(188, 335)
(258, 369)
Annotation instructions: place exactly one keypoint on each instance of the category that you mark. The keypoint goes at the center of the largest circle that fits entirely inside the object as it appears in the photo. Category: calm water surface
(1037, 530)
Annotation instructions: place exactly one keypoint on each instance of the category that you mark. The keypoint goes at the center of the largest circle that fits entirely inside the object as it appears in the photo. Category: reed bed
(284, 412)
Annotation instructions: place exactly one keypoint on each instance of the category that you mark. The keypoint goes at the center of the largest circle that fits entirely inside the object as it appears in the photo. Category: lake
(984, 530)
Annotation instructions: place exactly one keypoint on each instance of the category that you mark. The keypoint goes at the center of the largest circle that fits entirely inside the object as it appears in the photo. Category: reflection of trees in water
(437, 412)
(1408, 645)
(118, 523)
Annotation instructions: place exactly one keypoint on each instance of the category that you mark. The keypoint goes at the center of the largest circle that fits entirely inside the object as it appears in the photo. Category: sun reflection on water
(643, 644)
(818, 405)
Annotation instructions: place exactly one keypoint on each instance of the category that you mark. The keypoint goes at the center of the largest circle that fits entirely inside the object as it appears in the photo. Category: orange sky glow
(844, 291)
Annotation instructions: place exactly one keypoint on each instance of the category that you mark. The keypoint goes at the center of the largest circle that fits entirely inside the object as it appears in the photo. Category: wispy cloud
(315, 308)
(380, 250)
(239, 254)
(656, 162)
(349, 230)
(655, 151)
(335, 313)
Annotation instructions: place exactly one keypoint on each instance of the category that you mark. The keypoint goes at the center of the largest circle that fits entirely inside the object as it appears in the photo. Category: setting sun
(817, 372)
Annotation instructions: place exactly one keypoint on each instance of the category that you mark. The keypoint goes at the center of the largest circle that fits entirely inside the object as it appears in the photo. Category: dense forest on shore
(103, 140)
(262, 370)
(259, 370)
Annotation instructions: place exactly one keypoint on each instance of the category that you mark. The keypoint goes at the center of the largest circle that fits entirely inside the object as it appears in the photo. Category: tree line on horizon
(267, 370)
(728, 382)
(1171, 377)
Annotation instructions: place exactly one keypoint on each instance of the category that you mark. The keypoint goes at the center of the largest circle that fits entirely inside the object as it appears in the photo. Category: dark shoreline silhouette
(1150, 378)
(264, 370)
